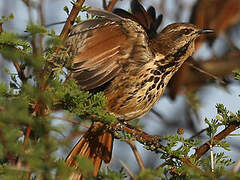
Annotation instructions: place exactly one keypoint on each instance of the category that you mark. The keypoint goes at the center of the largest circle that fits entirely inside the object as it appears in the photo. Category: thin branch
(111, 5)
(192, 79)
(1, 28)
(19, 71)
(26, 137)
(71, 19)
(127, 169)
(212, 157)
(160, 116)
(186, 161)
(136, 153)
(71, 121)
(162, 7)
(153, 142)
(28, 175)
(206, 73)
(28, 3)
(41, 13)
(17, 66)
(29, 7)
(56, 23)
(42, 22)
(104, 4)
(223, 134)
(198, 133)
(225, 66)
(74, 135)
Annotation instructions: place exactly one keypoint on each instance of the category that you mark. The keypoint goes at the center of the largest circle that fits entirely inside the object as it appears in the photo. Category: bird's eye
(186, 31)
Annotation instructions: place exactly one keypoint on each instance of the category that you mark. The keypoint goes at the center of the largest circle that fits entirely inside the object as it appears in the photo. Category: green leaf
(85, 165)
(66, 10)
(237, 74)
(8, 18)
(36, 29)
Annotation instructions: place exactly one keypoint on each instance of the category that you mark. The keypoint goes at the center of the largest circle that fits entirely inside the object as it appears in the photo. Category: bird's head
(178, 35)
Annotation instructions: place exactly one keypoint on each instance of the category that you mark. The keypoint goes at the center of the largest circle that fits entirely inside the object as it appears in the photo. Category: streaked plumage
(116, 55)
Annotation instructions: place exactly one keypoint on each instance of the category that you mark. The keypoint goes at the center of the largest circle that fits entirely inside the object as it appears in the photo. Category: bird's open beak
(205, 31)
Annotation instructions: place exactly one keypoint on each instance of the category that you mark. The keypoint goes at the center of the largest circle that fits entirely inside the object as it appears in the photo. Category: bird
(114, 54)
(221, 17)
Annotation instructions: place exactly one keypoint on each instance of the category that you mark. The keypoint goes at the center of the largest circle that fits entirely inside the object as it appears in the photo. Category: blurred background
(204, 81)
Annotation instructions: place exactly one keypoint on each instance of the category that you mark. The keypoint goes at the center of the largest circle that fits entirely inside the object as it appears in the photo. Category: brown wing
(141, 14)
(146, 18)
(103, 47)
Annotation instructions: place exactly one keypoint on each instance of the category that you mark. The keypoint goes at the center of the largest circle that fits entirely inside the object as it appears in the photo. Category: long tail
(96, 145)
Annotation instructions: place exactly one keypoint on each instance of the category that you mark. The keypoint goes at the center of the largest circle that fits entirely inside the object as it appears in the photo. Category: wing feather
(141, 14)
(103, 47)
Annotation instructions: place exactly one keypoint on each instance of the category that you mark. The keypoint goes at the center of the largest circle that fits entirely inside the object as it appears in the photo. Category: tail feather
(96, 144)
(108, 141)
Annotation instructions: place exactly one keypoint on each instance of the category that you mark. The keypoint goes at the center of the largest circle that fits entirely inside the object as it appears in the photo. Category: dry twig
(42, 22)
(136, 153)
(71, 121)
(154, 141)
(223, 134)
(71, 19)
(111, 5)
(206, 73)
(130, 173)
